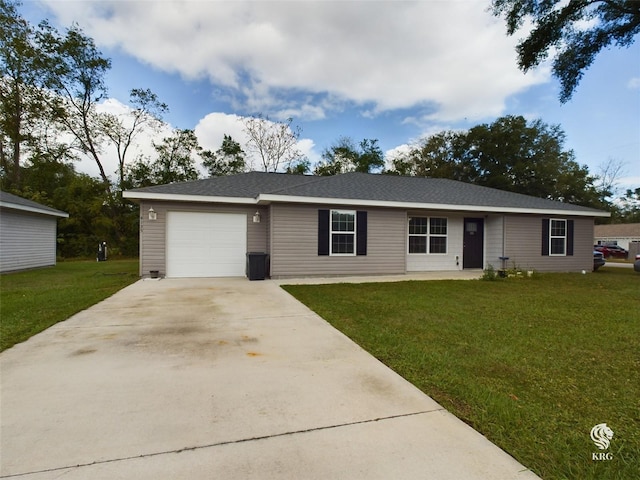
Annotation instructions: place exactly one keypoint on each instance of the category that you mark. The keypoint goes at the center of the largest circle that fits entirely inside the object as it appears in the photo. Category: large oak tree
(509, 154)
(575, 30)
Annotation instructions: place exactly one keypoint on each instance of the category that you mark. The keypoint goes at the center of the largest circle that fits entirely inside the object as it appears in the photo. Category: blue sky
(390, 70)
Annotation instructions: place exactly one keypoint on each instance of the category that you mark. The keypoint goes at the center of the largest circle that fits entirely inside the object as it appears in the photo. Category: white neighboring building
(621, 234)
(28, 233)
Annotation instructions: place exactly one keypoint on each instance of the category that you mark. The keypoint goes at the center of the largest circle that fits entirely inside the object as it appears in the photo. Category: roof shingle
(362, 186)
(9, 200)
(621, 230)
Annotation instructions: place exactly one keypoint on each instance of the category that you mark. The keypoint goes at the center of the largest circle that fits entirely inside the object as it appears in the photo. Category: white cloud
(211, 129)
(634, 83)
(210, 132)
(394, 153)
(382, 55)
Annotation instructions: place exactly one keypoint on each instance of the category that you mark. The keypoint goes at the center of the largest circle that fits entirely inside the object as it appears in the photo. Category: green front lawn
(532, 363)
(32, 301)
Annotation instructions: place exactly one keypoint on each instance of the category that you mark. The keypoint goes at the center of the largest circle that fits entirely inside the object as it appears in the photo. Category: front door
(473, 247)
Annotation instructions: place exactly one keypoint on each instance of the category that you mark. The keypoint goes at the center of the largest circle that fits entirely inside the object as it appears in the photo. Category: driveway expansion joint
(220, 444)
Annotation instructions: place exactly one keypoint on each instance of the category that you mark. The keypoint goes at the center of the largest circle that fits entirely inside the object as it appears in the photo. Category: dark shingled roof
(8, 200)
(362, 186)
(247, 185)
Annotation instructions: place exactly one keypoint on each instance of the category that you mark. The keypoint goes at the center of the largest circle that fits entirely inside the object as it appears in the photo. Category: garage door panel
(206, 244)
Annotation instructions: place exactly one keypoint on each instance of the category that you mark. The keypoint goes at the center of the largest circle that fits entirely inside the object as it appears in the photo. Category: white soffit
(266, 198)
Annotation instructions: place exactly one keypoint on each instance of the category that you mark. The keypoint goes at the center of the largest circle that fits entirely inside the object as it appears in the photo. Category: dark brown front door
(473, 246)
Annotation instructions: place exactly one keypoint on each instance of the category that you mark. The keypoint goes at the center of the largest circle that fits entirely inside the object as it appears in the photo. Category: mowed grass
(32, 301)
(533, 363)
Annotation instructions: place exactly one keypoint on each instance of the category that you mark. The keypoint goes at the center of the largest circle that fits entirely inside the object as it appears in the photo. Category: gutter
(25, 208)
(267, 198)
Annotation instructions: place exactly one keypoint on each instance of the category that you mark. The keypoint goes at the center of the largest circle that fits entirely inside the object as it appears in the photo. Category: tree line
(51, 84)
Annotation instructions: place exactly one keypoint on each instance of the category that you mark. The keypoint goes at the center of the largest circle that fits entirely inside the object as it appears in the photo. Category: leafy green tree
(630, 206)
(146, 114)
(175, 162)
(58, 185)
(299, 167)
(346, 156)
(370, 157)
(577, 30)
(21, 101)
(509, 154)
(227, 160)
(74, 70)
(442, 155)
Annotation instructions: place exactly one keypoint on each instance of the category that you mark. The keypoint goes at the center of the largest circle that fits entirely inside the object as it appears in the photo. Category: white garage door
(206, 244)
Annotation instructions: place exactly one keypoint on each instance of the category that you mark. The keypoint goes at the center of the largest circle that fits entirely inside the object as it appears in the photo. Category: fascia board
(269, 198)
(26, 208)
(186, 198)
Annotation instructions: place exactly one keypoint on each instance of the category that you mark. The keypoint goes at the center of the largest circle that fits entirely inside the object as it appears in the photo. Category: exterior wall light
(153, 216)
(256, 217)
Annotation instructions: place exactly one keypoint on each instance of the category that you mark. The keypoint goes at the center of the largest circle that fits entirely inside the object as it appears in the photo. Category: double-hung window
(558, 237)
(427, 235)
(437, 235)
(418, 228)
(343, 232)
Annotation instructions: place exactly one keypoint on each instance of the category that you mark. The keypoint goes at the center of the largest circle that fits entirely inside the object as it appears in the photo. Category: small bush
(489, 273)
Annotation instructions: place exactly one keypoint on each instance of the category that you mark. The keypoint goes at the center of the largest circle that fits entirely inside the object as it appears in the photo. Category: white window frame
(428, 236)
(563, 237)
(439, 235)
(424, 235)
(340, 232)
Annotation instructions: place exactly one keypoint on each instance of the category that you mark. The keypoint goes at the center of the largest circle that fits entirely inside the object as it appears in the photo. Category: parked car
(636, 265)
(598, 260)
(612, 251)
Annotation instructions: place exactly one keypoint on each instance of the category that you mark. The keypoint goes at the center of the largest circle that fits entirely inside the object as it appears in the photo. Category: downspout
(504, 236)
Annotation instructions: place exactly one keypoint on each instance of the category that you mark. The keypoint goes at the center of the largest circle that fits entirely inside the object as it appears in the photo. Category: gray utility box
(257, 265)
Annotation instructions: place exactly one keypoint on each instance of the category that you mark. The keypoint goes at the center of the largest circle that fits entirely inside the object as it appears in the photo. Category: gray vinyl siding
(493, 241)
(289, 233)
(153, 232)
(523, 245)
(294, 243)
(26, 240)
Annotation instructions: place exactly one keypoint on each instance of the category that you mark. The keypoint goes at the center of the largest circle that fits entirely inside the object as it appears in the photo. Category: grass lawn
(32, 301)
(531, 363)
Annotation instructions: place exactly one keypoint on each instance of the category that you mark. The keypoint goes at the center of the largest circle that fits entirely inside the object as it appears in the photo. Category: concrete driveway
(221, 379)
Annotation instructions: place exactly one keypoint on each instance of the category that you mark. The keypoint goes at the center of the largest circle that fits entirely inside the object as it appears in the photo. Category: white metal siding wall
(26, 240)
(153, 232)
(523, 245)
(294, 243)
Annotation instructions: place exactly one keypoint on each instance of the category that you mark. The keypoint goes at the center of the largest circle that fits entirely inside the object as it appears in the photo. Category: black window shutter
(323, 232)
(545, 236)
(569, 237)
(361, 233)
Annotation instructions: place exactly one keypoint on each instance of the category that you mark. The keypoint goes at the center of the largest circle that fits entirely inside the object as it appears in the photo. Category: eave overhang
(25, 208)
(266, 199)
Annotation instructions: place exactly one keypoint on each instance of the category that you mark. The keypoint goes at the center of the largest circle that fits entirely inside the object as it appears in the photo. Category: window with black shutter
(557, 237)
(342, 232)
